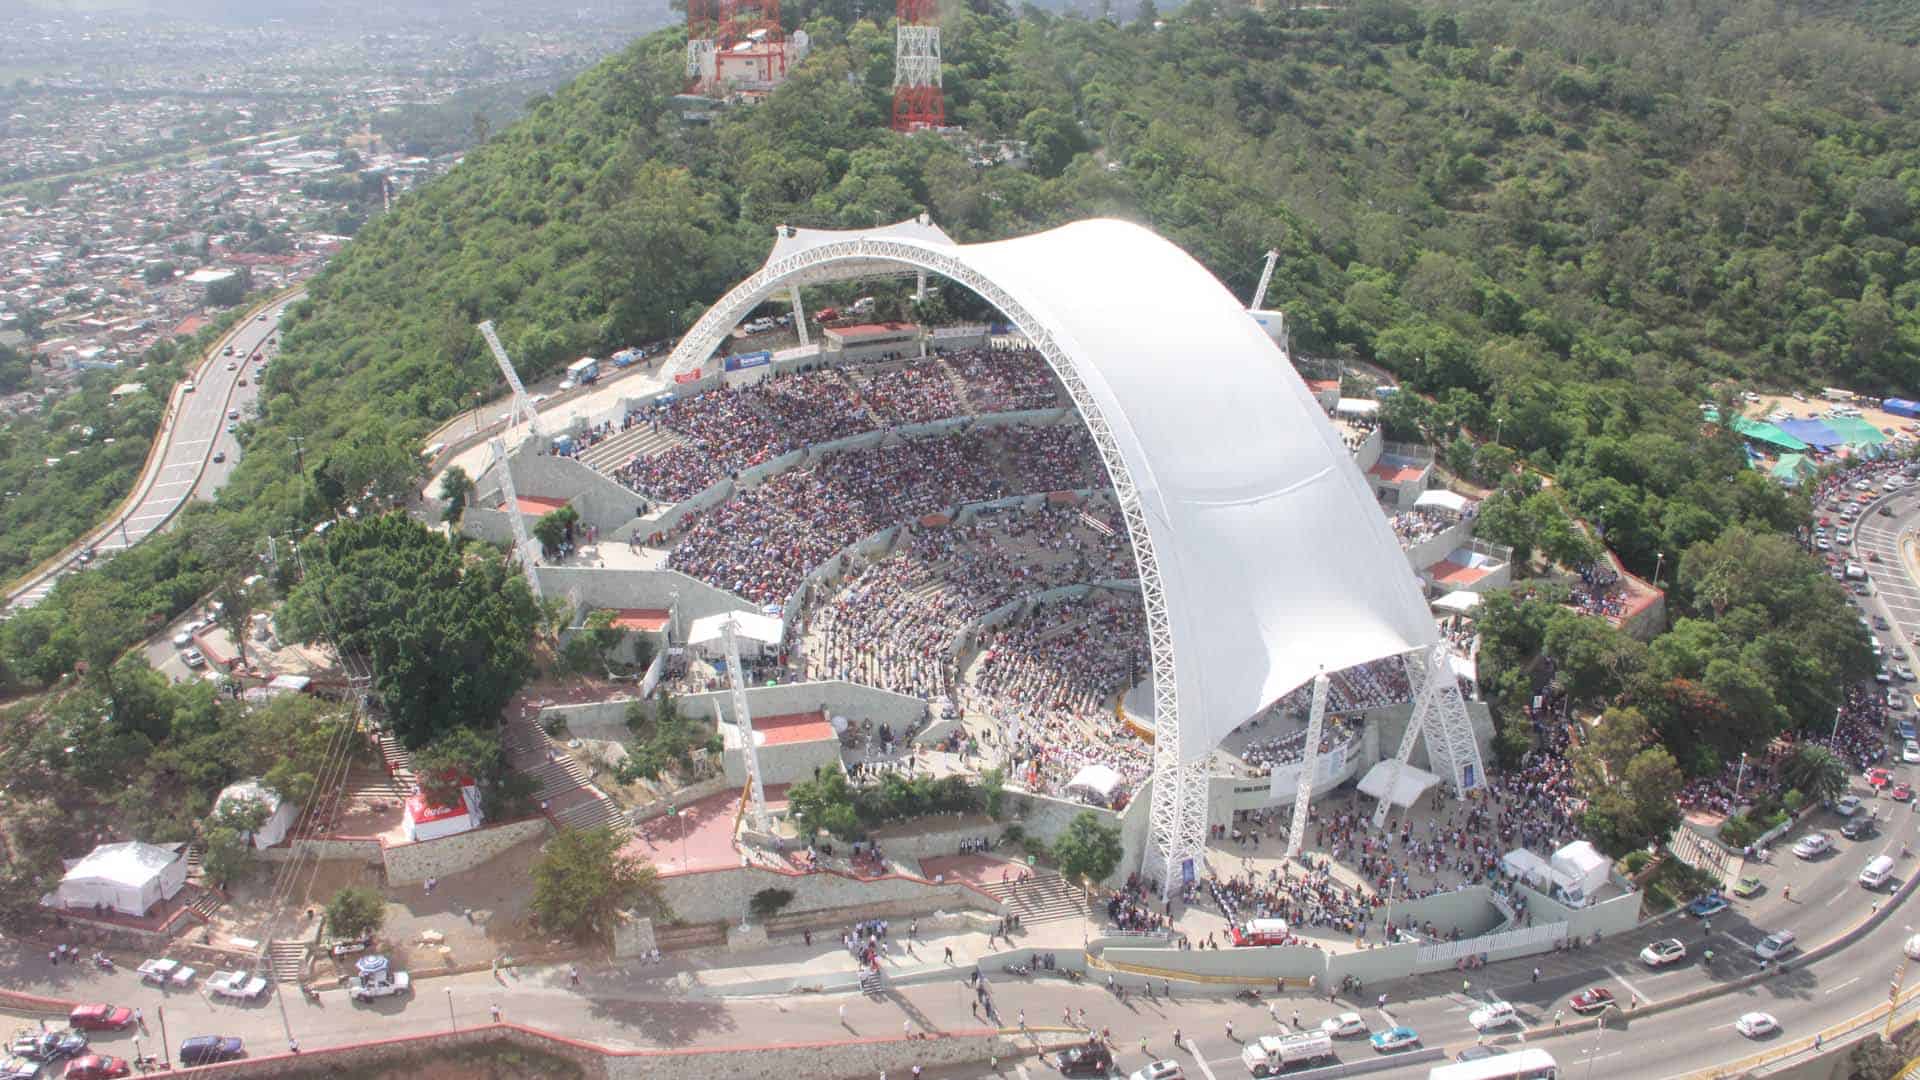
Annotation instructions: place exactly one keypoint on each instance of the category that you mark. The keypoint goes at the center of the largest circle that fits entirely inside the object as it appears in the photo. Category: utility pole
(165, 1058)
(299, 452)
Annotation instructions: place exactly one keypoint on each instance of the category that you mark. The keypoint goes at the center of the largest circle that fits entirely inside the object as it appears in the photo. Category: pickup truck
(236, 986)
(376, 978)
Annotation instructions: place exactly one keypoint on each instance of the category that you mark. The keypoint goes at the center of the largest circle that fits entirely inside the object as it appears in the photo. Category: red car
(1592, 999)
(100, 1017)
(98, 1067)
(1879, 778)
(1901, 792)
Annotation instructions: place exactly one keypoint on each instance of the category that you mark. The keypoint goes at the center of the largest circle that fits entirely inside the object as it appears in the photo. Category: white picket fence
(1534, 937)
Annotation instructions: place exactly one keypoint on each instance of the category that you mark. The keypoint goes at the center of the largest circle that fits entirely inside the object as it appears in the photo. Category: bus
(1529, 1064)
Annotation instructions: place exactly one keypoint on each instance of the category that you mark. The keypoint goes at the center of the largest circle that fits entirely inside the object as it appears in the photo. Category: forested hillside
(1558, 219)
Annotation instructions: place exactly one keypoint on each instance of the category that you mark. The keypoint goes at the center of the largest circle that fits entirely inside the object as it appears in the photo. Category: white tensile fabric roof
(1275, 559)
(1100, 779)
(1445, 500)
(1458, 602)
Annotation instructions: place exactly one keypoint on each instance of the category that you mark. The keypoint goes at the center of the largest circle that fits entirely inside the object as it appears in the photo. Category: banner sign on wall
(743, 361)
(688, 376)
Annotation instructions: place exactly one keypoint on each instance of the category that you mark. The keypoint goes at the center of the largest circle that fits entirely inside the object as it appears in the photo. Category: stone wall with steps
(410, 863)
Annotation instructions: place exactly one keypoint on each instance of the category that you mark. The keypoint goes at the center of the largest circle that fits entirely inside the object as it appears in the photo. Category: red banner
(688, 376)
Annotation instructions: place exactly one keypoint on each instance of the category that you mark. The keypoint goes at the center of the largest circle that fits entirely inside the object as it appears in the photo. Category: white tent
(1412, 784)
(1457, 602)
(1529, 868)
(1436, 499)
(1098, 780)
(753, 631)
(1580, 869)
(1350, 406)
(280, 813)
(130, 878)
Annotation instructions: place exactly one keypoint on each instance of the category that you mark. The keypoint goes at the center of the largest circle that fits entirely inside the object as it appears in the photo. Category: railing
(1491, 943)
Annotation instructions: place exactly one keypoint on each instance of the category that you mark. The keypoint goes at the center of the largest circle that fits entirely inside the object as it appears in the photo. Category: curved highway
(191, 436)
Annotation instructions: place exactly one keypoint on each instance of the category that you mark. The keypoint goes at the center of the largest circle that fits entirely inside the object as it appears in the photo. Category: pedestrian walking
(1176, 1038)
(1143, 1047)
(843, 1014)
(1786, 893)
(1556, 1017)
(1296, 1019)
(1536, 974)
(1229, 1029)
(949, 956)
(806, 936)
(1273, 1011)
(976, 1008)
(1023, 1019)
(1383, 1001)
(494, 1008)
(573, 974)
(906, 1028)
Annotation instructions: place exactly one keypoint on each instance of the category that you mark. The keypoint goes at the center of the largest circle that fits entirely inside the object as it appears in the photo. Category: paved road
(193, 434)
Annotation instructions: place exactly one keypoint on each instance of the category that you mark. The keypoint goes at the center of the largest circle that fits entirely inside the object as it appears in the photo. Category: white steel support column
(1407, 740)
(920, 286)
(799, 315)
(1450, 741)
(742, 719)
(522, 543)
(1309, 766)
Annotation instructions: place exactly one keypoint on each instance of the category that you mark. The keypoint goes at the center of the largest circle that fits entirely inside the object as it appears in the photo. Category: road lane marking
(1631, 989)
(1844, 985)
(168, 484)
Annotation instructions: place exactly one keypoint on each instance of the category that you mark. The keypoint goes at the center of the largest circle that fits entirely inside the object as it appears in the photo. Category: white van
(1877, 872)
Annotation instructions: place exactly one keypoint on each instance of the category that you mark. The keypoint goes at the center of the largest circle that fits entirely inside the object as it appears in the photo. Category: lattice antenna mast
(1310, 754)
(522, 544)
(749, 753)
(918, 101)
(522, 408)
(1266, 279)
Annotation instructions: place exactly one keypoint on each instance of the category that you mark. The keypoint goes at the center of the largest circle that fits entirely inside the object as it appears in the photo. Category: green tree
(456, 487)
(1815, 771)
(229, 839)
(355, 912)
(582, 880)
(1088, 851)
(553, 528)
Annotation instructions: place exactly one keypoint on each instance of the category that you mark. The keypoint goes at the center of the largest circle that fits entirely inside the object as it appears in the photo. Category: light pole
(451, 1024)
(1659, 560)
(1599, 1027)
(1741, 778)
(1836, 726)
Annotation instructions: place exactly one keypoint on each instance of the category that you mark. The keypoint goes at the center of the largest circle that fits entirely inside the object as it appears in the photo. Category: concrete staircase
(571, 796)
(616, 450)
(204, 903)
(196, 853)
(396, 759)
(287, 960)
(1047, 897)
(870, 982)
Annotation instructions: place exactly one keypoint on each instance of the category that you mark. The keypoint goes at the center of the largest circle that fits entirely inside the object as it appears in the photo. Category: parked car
(194, 658)
(236, 986)
(1910, 751)
(1747, 887)
(98, 1067)
(1479, 1052)
(1906, 729)
(100, 1017)
(1848, 806)
(48, 1045)
(1399, 1038)
(219, 456)
(1158, 1070)
(1662, 953)
(1775, 945)
(1756, 1024)
(1901, 792)
(1813, 845)
(1347, 1025)
(1090, 1060)
(1591, 1000)
(1708, 906)
(207, 1049)
(1493, 1015)
(19, 1068)
(1861, 828)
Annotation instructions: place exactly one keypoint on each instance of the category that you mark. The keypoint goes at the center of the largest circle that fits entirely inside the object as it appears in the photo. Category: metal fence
(1535, 937)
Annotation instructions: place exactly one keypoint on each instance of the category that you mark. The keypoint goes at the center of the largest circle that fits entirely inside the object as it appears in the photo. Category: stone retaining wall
(726, 893)
(410, 863)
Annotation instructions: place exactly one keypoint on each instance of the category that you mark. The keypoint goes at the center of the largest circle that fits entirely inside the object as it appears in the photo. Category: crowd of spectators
(726, 430)
(1419, 525)
(1600, 592)
(1047, 681)
(1262, 756)
(761, 543)
(899, 622)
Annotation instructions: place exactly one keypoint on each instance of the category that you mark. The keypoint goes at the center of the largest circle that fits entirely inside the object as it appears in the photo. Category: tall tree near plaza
(355, 912)
(448, 635)
(236, 613)
(1088, 850)
(582, 880)
(1814, 771)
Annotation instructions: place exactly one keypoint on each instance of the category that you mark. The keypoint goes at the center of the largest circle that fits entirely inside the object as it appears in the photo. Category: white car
(236, 985)
(1345, 1026)
(183, 639)
(1910, 752)
(1493, 1015)
(1158, 1070)
(567, 384)
(1755, 1024)
(1774, 945)
(1662, 953)
(539, 399)
(1813, 845)
(1848, 806)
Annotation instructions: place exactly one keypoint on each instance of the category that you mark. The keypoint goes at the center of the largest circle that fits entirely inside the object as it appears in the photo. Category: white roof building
(129, 878)
(280, 813)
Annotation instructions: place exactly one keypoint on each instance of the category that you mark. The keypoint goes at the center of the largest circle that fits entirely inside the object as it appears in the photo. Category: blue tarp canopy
(1812, 432)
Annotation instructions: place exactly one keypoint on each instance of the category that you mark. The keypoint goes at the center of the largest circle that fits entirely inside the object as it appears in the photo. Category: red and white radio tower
(917, 99)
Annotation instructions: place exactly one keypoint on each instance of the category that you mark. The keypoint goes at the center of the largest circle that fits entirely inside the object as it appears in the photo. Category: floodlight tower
(1266, 279)
(522, 544)
(918, 101)
(522, 408)
(743, 719)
